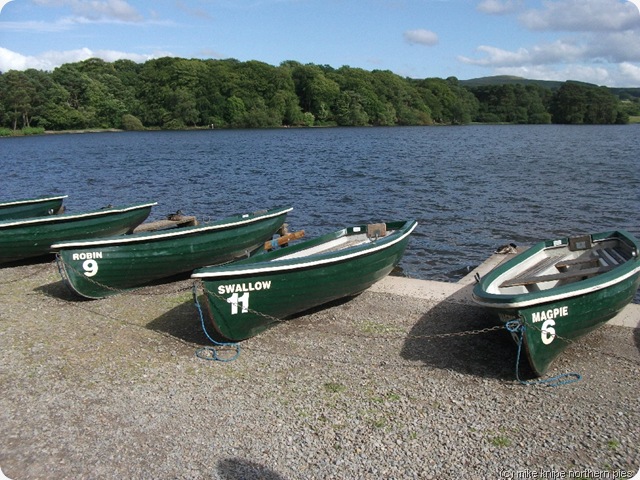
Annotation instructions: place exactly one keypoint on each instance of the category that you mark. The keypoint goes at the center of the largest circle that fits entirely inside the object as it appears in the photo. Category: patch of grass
(613, 444)
(379, 422)
(303, 413)
(500, 441)
(32, 131)
(334, 387)
(390, 396)
(179, 298)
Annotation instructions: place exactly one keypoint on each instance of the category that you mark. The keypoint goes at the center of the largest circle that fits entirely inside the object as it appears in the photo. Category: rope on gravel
(517, 327)
(211, 353)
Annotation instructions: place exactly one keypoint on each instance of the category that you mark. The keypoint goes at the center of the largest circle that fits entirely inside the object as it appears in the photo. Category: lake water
(471, 188)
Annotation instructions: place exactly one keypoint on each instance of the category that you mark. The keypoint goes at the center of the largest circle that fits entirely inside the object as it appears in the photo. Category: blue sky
(596, 41)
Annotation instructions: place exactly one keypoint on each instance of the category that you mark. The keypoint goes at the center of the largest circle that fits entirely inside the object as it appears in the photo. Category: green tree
(182, 107)
(130, 122)
(350, 110)
(18, 93)
(398, 103)
(577, 103)
(446, 100)
(235, 111)
(512, 103)
(316, 93)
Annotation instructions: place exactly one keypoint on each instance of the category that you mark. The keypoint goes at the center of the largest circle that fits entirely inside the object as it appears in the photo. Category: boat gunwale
(177, 232)
(28, 201)
(280, 265)
(73, 216)
(571, 290)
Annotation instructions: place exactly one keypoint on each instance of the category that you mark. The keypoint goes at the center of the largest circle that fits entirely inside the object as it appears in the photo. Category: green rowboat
(33, 237)
(31, 207)
(107, 266)
(246, 297)
(559, 290)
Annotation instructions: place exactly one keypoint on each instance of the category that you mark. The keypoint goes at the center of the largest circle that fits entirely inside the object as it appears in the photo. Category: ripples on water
(471, 188)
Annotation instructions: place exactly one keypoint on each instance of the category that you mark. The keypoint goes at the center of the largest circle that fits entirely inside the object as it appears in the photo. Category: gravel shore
(363, 389)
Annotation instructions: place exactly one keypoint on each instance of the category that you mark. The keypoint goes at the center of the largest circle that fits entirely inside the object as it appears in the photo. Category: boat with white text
(102, 267)
(251, 295)
(559, 290)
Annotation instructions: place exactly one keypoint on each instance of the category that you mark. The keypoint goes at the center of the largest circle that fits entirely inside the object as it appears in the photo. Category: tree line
(176, 93)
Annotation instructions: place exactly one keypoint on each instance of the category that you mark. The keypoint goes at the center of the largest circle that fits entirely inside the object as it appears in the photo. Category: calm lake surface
(471, 188)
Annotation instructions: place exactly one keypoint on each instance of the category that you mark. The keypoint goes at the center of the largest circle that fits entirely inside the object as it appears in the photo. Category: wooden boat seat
(577, 261)
(570, 274)
(541, 266)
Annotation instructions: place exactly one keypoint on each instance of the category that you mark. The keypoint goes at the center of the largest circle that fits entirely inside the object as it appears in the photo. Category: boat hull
(35, 207)
(550, 320)
(549, 328)
(33, 237)
(109, 266)
(245, 299)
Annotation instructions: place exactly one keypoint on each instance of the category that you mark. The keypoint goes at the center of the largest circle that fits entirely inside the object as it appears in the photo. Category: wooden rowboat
(33, 237)
(248, 296)
(107, 266)
(559, 290)
(31, 207)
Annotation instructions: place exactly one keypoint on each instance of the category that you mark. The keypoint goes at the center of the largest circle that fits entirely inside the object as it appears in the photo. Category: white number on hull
(90, 267)
(548, 333)
(236, 299)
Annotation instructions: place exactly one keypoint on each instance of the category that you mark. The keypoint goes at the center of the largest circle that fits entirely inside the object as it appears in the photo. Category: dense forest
(175, 93)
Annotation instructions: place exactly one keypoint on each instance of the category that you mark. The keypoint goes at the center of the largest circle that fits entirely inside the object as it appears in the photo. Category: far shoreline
(18, 133)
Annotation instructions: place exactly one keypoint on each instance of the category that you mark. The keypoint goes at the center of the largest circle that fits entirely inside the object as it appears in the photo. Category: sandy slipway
(366, 388)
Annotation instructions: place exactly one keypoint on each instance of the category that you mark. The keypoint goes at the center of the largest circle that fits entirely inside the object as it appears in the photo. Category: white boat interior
(563, 264)
(341, 243)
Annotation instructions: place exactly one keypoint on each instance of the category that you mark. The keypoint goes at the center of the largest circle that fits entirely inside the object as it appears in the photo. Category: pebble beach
(373, 387)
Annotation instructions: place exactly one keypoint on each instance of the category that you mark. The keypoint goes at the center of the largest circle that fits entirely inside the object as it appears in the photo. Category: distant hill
(620, 92)
(626, 93)
(508, 79)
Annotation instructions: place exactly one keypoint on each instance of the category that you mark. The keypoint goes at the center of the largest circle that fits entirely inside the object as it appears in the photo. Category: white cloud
(10, 60)
(420, 37)
(615, 47)
(603, 48)
(582, 16)
(499, 7)
(630, 73)
(602, 43)
(97, 10)
(563, 60)
(582, 73)
(557, 52)
(35, 26)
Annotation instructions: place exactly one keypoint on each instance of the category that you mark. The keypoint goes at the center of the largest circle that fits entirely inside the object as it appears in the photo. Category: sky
(594, 41)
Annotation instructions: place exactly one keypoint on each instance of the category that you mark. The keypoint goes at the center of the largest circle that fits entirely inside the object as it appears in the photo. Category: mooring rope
(518, 327)
(211, 353)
